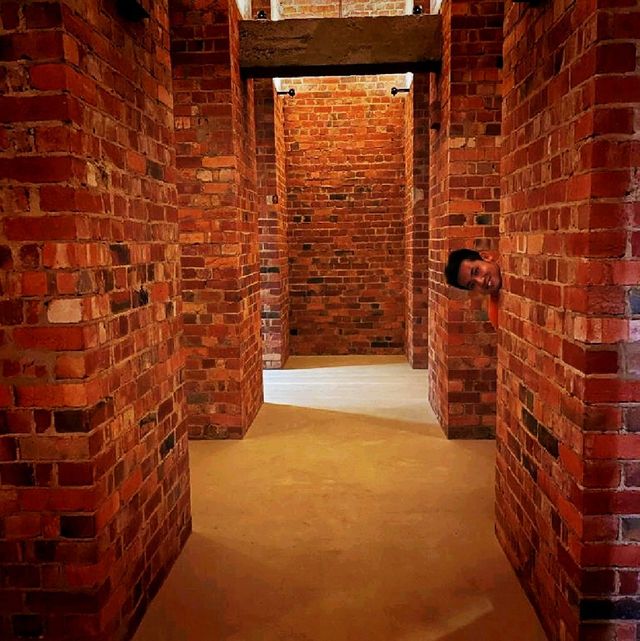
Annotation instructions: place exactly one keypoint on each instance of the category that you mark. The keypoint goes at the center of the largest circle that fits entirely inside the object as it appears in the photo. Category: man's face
(480, 275)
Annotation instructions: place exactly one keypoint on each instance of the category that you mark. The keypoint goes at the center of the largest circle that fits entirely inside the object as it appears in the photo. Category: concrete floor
(344, 515)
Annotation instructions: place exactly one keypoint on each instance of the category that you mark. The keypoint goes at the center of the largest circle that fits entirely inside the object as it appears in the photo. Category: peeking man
(476, 272)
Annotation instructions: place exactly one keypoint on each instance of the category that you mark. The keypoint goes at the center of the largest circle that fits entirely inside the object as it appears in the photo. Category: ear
(488, 256)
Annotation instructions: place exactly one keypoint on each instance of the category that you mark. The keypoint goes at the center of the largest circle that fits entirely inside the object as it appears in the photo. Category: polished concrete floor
(344, 515)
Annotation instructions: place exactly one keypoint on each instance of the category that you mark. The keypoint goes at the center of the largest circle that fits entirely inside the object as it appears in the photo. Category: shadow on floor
(335, 525)
(294, 418)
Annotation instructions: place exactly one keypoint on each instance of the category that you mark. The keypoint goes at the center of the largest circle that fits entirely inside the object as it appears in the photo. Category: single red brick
(77, 526)
(56, 338)
(6, 396)
(34, 284)
(43, 15)
(9, 15)
(34, 45)
(32, 108)
(8, 449)
(11, 312)
(31, 228)
(49, 77)
(75, 474)
(615, 57)
(23, 526)
(63, 395)
(612, 554)
(628, 582)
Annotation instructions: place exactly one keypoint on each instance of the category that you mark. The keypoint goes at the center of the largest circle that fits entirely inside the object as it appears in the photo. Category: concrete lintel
(340, 46)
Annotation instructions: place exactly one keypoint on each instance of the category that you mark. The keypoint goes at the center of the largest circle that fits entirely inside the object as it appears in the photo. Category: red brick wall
(272, 203)
(568, 461)
(417, 226)
(215, 143)
(346, 201)
(94, 503)
(340, 8)
(463, 211)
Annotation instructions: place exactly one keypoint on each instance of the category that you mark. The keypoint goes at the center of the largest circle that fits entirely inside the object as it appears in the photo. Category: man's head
(473, 271)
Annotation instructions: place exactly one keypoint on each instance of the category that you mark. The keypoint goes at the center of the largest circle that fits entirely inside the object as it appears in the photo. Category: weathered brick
(77, 526)
(75, 474)
(11, 312)
(43, 15)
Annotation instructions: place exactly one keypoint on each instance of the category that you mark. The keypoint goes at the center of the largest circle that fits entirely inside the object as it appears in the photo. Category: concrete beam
(340, 46)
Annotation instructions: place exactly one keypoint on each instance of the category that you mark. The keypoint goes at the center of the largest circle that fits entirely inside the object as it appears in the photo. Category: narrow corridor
(343, 514)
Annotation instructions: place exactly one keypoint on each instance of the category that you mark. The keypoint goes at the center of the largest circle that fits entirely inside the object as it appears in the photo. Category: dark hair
(452, 270)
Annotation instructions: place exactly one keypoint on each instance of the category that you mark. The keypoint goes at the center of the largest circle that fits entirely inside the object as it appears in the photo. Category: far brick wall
(346, 189)
(94, 503)
(340, 8)
(568, 482)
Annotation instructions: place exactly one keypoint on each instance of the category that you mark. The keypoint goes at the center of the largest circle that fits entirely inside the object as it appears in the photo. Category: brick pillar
(568, 482)
(464, 203)
(94, 496)
(417, 226)
(215, 142)
(272, 196)
(409, 256)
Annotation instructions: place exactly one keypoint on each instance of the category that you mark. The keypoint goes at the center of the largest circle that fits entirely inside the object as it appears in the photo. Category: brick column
(464, 203)
(215, 142)
(272, 203)
(94, 497)
(568, 484)
(417, 225)
(407, 223)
